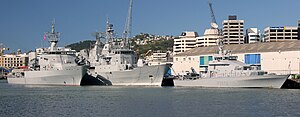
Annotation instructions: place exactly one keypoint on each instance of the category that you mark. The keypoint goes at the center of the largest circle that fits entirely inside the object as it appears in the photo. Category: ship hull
(267, 81)
(146, 75)
(55, 77)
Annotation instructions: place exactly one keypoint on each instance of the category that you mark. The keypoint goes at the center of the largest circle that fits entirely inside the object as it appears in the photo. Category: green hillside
(87, 44)
(162, 45)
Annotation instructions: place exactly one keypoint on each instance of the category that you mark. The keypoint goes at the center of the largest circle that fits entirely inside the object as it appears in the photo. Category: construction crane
(127, 28)
(213, 23)
(215, 26)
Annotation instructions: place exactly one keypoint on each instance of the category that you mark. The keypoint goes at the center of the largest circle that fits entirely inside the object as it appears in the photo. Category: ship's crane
(128, 25)
(213, 23)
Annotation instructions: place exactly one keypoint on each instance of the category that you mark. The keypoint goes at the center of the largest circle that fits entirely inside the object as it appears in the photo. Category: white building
(233, 30)
(298, 29)
(252, 35)
(210, 38)
(287, 33)
(273, 57)
(13, 61)
(186, 41)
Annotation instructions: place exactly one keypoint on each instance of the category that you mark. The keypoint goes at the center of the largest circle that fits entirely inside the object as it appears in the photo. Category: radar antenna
(109, 33)
(53, 36)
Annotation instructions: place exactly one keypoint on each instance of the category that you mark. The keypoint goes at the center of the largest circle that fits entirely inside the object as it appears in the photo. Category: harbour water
(128, 101)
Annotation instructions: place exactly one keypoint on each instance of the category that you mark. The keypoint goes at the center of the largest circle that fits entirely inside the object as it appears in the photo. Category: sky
(23, 22)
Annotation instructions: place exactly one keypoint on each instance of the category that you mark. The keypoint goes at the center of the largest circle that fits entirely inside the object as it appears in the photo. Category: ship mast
(53, 37)
(109, 33)
(109, 36)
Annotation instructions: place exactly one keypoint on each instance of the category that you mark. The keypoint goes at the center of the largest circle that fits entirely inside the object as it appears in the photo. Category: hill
(87, 44)
(154, 43)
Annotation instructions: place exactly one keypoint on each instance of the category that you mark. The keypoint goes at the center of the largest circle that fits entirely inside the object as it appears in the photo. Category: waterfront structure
(14, 60)
(284, 33)
(273, 57)
(210, 38)
(233, 30)
(253, 35)
(186, 41)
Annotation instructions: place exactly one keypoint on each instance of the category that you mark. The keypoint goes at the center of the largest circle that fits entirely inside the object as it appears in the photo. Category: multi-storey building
(274, 34)
(252, 35)
(298, 29)
(186, 41)
(13, 61)
(233, 30)
(210, 38)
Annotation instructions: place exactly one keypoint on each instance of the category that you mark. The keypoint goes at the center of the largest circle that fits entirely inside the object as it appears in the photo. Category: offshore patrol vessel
(226, 71)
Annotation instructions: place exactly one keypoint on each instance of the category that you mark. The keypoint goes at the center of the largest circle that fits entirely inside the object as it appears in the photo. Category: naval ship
(226, 71)
(51, 66)
(119, 64)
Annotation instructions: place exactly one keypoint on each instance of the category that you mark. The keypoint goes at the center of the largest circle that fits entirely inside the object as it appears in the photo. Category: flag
(45, 37)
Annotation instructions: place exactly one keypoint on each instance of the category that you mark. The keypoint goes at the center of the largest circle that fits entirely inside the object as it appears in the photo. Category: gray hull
(268, 81)
(146, 75)
(59, 77)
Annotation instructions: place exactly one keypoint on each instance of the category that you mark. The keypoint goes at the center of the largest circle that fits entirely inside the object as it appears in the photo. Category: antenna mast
(53, 36)
(128, 25)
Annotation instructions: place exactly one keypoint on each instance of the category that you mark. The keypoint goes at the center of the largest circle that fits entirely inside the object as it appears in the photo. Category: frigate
(51, 66)
(118, 63)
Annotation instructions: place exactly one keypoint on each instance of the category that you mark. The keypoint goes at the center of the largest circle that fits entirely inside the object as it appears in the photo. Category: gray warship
(119, 64)
(50, 66)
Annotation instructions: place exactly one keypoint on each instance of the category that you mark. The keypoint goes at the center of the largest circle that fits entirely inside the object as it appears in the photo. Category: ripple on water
(18, 100)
